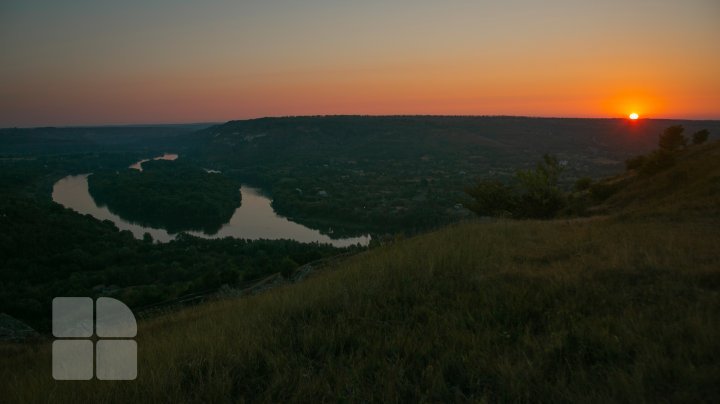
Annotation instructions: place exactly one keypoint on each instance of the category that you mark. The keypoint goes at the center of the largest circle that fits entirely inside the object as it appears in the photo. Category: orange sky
(161, 61)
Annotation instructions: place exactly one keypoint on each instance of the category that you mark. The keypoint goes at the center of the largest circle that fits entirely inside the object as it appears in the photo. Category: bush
(635, 162)
(583, 184)
(672, 139)
(491, 198)
(535, 194)
(287, 267)
(540, 196)
(700, 137)
(542, 203)
(603, 190)
(657, 161)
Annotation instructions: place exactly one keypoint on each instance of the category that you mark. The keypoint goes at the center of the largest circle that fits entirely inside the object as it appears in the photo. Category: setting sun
(634, 116)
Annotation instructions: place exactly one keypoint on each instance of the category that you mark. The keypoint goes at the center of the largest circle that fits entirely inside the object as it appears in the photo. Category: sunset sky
(164, 61)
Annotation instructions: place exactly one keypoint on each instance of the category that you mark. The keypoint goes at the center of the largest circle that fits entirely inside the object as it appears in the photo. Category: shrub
(657, 161)
(491, 198)
(672, 139)
(287, 267)
(635, 162)
(700, 137)
(540, 196)
(583, 184)
(535, 194)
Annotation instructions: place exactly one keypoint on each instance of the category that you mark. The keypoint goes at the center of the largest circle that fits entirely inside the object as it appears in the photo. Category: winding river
(254, 219)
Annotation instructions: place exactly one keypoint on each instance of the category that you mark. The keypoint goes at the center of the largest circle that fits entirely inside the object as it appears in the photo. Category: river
(254, 219)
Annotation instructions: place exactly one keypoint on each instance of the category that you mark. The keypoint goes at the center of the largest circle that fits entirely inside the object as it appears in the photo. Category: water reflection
(254, 219)
(166, 156)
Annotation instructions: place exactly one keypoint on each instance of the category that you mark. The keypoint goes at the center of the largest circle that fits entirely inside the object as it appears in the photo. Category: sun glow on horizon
(634, 116)
(318, 57)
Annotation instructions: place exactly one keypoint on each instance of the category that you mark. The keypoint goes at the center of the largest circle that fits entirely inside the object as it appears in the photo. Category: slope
(690, 187)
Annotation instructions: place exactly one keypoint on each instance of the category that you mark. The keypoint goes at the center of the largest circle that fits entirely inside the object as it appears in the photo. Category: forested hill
(59, 140)
(408, 172)
(412, 136)
(168, 194)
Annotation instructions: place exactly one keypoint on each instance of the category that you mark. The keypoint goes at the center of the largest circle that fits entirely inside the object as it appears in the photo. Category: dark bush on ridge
(672, 139)
(635, 163)
(657, 161)
(700, 137)
(491, 198)
(671, 142)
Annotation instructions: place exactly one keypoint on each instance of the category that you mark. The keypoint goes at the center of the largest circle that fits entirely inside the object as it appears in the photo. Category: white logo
(115, 353)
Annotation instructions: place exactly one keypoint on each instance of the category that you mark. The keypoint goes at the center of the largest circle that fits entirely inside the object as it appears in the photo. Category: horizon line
(210, 123)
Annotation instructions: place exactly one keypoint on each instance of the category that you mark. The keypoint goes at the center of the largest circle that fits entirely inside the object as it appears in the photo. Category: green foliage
(534, 195)
(287, 267)
(168, 194)
(540, 197)
(104, 139)
(405, 173)
(672, 139)
(491, 198)
(701, 136)
(47, 251)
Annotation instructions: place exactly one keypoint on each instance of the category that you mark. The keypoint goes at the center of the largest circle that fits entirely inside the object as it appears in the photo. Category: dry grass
(565, 311)
(690, 187)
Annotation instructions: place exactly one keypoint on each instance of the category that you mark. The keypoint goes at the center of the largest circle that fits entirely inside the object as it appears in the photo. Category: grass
(622, 308)
(690, 187)
(566, 311)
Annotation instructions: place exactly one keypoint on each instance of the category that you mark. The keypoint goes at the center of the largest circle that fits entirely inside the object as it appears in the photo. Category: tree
(672, 139)
(287, 267)
(491, 198)
(657, 161)
(540, 195)
(700, 137)
(535, 193)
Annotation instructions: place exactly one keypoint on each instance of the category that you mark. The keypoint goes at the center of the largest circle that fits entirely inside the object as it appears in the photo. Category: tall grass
(565, 311)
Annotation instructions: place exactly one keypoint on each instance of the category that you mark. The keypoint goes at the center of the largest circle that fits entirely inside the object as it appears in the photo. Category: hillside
(73, 140)
(623, 307)
(358, 174)
(690, 187)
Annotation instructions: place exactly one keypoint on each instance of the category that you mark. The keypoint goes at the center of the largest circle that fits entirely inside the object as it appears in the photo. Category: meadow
(566, 311)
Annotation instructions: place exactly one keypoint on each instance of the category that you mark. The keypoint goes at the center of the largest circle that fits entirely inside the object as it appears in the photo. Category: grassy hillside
(617, 308)
(690, 187)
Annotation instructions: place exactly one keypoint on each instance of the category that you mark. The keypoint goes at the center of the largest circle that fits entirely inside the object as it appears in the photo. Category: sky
(88, 62)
